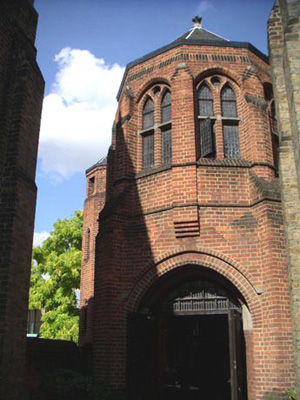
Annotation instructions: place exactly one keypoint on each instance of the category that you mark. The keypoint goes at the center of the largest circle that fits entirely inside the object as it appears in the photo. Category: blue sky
(83, 47)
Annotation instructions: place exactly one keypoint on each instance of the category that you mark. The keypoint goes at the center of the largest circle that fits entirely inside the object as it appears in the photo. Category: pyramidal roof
(197, 33)
(195, 36)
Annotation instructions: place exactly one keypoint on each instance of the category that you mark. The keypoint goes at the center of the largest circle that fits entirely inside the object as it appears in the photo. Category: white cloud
(204, 6)
(78, 114)
(39, 237)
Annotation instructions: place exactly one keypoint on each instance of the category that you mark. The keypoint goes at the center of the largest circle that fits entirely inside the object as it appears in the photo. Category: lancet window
(148, 136)
(214, 94)
(156, 127)
(166, 130)
(230, 127)
(206, 111)
(148, 114)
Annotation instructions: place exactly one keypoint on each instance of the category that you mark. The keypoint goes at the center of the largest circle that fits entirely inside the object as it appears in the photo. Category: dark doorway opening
(187, 343)
(197, 361)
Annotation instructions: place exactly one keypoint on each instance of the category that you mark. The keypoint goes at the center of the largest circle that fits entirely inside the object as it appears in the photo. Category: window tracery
(228, 101)
(206, 110)
(148, 114)
(166, 107)
(230, 127)
(205, 101)
(166, 129)
(148, 136)
(214, 94)
(156, 126)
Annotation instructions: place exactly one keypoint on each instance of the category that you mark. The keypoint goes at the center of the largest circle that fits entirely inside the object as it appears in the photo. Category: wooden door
(237, 356)
(141, 379)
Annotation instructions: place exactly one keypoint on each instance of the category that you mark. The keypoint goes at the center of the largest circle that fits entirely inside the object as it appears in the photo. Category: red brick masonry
(214, 214)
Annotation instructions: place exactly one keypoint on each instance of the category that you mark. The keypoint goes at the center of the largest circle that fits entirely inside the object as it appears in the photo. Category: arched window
(206, 110)
(166, 108)
(166, 130)
(148, 137)
(206, 104)
(228, 100)
(148, 114)
(230, 123)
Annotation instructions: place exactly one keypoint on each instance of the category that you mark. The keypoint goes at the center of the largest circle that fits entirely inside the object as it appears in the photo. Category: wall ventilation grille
(186, 229)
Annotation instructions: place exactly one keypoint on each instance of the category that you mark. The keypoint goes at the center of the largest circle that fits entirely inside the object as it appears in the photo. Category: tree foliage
(55, 277)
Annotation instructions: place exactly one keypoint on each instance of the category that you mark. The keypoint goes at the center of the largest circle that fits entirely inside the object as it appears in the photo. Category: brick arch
(216, 69)
(206, 82)
(230, 85)
(148, 84)
(145, 98)
(196, 249)
(163, 92)
(222, 266)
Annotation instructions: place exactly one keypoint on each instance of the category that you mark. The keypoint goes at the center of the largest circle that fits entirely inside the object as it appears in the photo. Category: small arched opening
(185, 342)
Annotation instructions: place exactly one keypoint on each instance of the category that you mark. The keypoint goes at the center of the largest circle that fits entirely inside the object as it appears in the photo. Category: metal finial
(197, 21)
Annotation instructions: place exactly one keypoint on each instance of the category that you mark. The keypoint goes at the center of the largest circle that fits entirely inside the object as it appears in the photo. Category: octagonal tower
(188, 284)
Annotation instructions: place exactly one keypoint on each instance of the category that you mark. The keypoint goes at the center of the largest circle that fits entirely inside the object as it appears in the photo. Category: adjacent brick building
(21, 95)
(284, 45)
(184, 290)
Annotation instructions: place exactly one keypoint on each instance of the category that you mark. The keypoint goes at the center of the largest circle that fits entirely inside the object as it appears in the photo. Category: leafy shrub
(292, 394)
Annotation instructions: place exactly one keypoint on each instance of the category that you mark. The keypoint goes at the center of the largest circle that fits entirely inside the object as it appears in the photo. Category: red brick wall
(94, 203)
(221, 215)
(21, 95)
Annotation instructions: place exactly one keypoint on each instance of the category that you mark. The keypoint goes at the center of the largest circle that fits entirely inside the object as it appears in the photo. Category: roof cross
(197, 21)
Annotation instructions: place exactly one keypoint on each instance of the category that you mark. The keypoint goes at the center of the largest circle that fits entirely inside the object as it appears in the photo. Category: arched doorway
(186, 341)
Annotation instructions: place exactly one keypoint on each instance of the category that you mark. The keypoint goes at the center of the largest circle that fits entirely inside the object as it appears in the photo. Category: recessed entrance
(197, 361)
(186, 343)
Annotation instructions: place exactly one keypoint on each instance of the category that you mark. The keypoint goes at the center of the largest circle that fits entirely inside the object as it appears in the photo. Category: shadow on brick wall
(43, 357)
(275, 395)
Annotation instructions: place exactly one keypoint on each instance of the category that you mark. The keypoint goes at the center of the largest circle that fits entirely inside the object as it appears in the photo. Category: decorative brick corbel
(259, 103)
(248, 73)
(179, 67)
(128, 92)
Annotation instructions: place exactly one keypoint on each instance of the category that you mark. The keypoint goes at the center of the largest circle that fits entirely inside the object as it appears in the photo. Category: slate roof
(199, 34)
(101, 162)
(196, 36)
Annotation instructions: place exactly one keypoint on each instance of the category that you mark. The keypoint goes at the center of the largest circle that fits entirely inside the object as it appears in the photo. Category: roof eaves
(102, 162)
(190, 42)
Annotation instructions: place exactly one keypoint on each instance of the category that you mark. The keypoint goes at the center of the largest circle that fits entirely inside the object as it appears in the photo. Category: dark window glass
(275, 146)
(207, 138)
(274, 133)
(148, 114)
(88, 244)
(91, 185)
(216, 81)
(205, 101)
(228, 100)
(148, 151)
(273, 119)
(166, 108)
(231, 141)
(166, 146)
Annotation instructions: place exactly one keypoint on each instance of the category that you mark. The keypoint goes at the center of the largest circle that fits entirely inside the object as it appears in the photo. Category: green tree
(55, 276)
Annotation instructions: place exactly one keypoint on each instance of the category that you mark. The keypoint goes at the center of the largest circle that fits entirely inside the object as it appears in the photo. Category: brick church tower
(184, 291)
